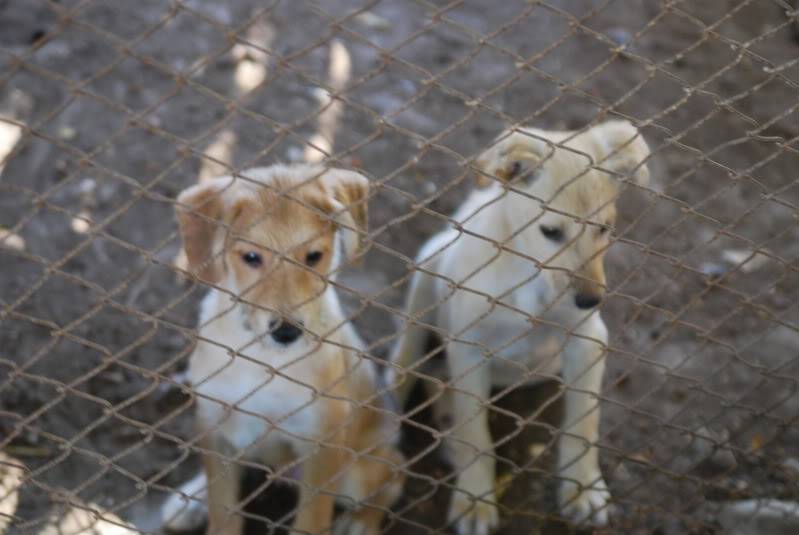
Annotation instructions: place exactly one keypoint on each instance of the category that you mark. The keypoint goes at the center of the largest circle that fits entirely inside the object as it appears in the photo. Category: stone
(759, 517)
(703, 449)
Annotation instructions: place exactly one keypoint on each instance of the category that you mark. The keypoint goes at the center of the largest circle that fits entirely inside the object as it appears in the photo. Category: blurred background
(109, 109)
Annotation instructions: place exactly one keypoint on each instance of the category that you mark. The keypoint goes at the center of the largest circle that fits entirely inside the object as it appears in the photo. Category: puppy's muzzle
(284, 332)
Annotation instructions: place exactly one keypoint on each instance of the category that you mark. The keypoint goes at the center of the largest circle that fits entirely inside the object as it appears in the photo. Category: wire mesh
(108, 111)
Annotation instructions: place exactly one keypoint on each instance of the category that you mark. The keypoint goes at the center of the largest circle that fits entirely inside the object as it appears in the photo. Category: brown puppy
(277, 367)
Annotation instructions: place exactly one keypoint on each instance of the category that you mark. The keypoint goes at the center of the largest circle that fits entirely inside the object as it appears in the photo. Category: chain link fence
(108, 110)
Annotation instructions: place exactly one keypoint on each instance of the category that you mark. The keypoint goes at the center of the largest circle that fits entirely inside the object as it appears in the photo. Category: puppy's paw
(585, 504)
(473, 517)
(344, 525)
(186, 511)
(352, 524)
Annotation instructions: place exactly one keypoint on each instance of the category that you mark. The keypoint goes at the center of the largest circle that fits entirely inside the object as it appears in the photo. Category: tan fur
(223, 517)
(282, 213)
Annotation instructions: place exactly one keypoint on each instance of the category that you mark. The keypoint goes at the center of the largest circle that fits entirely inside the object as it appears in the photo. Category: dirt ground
(700, 402)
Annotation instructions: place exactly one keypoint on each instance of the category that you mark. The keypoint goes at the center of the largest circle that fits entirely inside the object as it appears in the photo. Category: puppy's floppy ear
(200, 210)
(350, 192)
(481, 177)
(622, 149)
(516, 155)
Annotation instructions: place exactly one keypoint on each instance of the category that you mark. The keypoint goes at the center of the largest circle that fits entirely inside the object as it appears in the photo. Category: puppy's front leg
(473, 509)
(583, 494)
(321, 475)
(223, 493)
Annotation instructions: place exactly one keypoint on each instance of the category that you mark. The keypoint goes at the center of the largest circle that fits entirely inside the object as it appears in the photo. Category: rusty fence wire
(682, 418)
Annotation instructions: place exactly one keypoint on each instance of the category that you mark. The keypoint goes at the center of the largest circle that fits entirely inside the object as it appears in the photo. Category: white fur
(186, 510)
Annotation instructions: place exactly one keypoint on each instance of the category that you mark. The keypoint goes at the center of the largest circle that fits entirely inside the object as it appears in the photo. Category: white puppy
(523, 265)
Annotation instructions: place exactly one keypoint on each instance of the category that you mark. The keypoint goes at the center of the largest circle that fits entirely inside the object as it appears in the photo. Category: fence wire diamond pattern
(109, 110)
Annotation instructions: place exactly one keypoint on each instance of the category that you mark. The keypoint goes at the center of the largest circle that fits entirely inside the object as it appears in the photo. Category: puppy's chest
(513, 334)
(518, 343)
(251, 406)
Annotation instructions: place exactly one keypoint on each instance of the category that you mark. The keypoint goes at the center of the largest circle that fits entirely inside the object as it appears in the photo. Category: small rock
(113, 377)
(621, 473)
(414, 120)
(537, 449)
(745, 260)
(712, 270)
(407, 86)
(67, 133)
(791, 464)
(32, 437)
(320, 94)
(53, 49)
(10, 240)
(87, 185)
(624, 40)
(384, 102)
(81, 223)
(9, 135)
(620, 36)
(759, 517)
(373, 21)
(294, 154)
(703, 448)
(216, 10)
(249, 75)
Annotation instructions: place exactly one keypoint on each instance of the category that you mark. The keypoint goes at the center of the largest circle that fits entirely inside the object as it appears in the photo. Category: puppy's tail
(412, 342)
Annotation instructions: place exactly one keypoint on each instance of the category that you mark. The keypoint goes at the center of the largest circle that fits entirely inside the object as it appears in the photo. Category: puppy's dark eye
(552, 233)
(313, 258)
(515, 170)
(252, 259)
(604, 229)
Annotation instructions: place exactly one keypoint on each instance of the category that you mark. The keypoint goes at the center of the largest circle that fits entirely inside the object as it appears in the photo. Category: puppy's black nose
(586, 301)
(284, 332)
